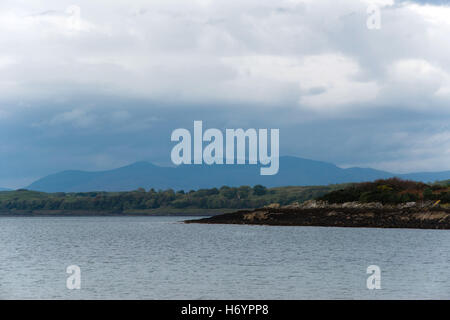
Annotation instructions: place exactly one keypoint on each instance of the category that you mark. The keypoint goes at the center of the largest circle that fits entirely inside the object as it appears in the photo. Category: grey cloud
(111, 92)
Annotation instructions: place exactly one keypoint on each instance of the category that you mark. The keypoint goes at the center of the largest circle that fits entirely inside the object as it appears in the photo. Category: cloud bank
(94, 85)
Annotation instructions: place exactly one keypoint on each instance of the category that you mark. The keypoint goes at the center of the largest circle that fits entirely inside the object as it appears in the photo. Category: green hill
(390, 191)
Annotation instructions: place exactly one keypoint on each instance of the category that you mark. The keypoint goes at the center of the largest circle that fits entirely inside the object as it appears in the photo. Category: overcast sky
(95, 85)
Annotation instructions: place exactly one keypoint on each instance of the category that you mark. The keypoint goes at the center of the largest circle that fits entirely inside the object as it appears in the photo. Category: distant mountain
(427, 176)
(293, 171)
(4, 189)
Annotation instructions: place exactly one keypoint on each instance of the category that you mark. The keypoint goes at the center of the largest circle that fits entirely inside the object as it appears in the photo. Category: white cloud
(327, 81)
(436, 16)
(212, 52)
(416, 84)
(76, 117)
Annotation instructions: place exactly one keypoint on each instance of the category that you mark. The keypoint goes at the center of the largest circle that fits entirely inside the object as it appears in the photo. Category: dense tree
(259, 190)
(243, 192)
(388, 191)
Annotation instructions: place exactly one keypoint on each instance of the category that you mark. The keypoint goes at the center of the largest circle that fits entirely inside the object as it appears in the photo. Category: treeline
(214, 198)
(391, 191)
(385, 191)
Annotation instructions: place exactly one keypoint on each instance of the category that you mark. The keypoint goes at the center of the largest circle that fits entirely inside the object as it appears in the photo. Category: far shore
(88, 213)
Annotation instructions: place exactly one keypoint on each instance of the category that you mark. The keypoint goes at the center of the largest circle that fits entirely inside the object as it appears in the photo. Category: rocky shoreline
(423, 215)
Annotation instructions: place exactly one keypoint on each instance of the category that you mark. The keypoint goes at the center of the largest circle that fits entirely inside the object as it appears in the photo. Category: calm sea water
(161, 258)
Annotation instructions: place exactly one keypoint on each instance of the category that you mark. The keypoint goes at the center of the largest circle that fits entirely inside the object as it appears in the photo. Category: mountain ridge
(293, 171)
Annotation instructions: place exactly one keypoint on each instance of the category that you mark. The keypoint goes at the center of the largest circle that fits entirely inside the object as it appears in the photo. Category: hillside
(390, 191)
(390, 203)
(293, 171)
(164, 201)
